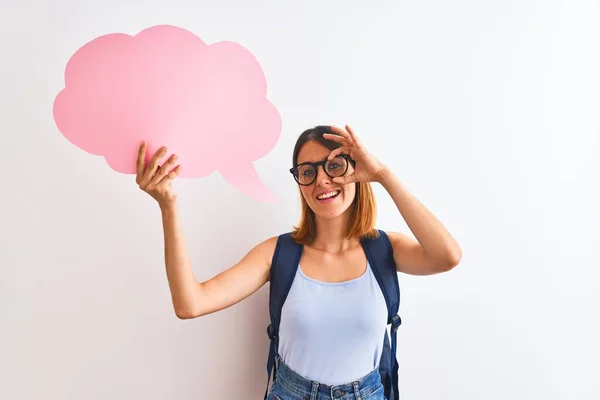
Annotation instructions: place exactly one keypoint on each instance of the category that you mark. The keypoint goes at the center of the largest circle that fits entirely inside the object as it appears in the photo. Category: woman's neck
(331, 235)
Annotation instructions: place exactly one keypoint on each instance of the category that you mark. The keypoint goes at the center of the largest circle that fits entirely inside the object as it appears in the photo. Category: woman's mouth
(328, 196)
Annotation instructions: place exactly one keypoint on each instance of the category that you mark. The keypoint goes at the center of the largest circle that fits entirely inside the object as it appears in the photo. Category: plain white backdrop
(488, 111)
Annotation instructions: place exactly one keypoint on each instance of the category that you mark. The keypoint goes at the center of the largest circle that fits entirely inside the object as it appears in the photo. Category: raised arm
(433, 250)
(191, 298)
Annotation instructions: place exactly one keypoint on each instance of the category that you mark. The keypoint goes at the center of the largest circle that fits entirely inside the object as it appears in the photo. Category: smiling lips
(328, 195)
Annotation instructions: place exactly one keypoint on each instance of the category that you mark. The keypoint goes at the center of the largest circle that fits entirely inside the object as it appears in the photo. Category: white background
(486, 110)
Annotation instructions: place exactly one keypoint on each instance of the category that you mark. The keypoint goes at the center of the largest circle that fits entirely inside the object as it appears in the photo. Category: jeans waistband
(296, 383)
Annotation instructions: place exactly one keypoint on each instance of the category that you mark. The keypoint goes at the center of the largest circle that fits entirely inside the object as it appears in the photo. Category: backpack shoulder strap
(283, 270)
(381, 258)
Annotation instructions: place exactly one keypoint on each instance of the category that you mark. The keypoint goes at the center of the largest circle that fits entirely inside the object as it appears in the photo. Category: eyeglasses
(306, 172)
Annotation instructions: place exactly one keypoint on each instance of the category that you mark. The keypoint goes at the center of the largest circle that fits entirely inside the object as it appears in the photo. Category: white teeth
(328, 195)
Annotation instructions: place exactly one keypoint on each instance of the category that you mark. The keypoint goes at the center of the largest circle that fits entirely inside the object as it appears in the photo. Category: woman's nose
(322, 177)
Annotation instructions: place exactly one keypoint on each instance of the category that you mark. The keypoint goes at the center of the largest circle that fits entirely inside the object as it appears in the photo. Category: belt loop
(356, 391)
(315, 391)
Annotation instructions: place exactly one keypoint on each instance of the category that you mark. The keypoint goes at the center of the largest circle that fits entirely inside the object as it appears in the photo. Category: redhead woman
(334, 316)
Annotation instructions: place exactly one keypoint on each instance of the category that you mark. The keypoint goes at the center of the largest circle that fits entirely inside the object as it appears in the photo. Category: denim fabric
(289, 385)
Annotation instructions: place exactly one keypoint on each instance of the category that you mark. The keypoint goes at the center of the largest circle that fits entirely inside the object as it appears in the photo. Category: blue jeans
(289, 385)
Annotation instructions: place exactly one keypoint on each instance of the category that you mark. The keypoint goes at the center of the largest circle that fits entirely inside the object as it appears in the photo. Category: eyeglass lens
(334, 168)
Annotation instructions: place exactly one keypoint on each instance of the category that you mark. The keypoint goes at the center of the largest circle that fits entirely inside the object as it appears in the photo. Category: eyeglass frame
(315, 165)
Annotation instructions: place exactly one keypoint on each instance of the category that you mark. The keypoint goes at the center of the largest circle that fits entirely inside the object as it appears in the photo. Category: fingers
(153, 165)
(352, 134)
(346, 137)
(337, 152)
(171, 175)
(335, 138)
(342, 132)
(166, 180)
(163, 170)
(140, 163)
(147, 172)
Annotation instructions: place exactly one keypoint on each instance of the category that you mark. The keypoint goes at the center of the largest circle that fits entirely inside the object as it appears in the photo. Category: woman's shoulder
(265, 249)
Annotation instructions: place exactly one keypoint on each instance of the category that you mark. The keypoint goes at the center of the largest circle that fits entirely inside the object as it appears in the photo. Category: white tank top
(333, 333)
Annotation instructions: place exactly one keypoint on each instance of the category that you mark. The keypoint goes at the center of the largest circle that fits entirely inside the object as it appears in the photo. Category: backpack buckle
(271, 332)
(396, 322)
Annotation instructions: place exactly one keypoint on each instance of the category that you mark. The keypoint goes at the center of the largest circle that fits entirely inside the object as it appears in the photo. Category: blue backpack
(380, 256)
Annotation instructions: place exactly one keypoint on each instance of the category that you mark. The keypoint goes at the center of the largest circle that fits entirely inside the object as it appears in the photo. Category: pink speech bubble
(206, 103)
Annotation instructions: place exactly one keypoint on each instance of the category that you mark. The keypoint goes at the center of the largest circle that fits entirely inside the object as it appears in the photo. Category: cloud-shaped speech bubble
(206, 103)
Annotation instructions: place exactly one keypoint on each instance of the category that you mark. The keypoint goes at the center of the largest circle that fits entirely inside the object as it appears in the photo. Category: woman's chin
(330, 211)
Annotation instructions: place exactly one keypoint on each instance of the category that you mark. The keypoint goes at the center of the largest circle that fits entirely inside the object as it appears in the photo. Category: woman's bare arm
(191, 298)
